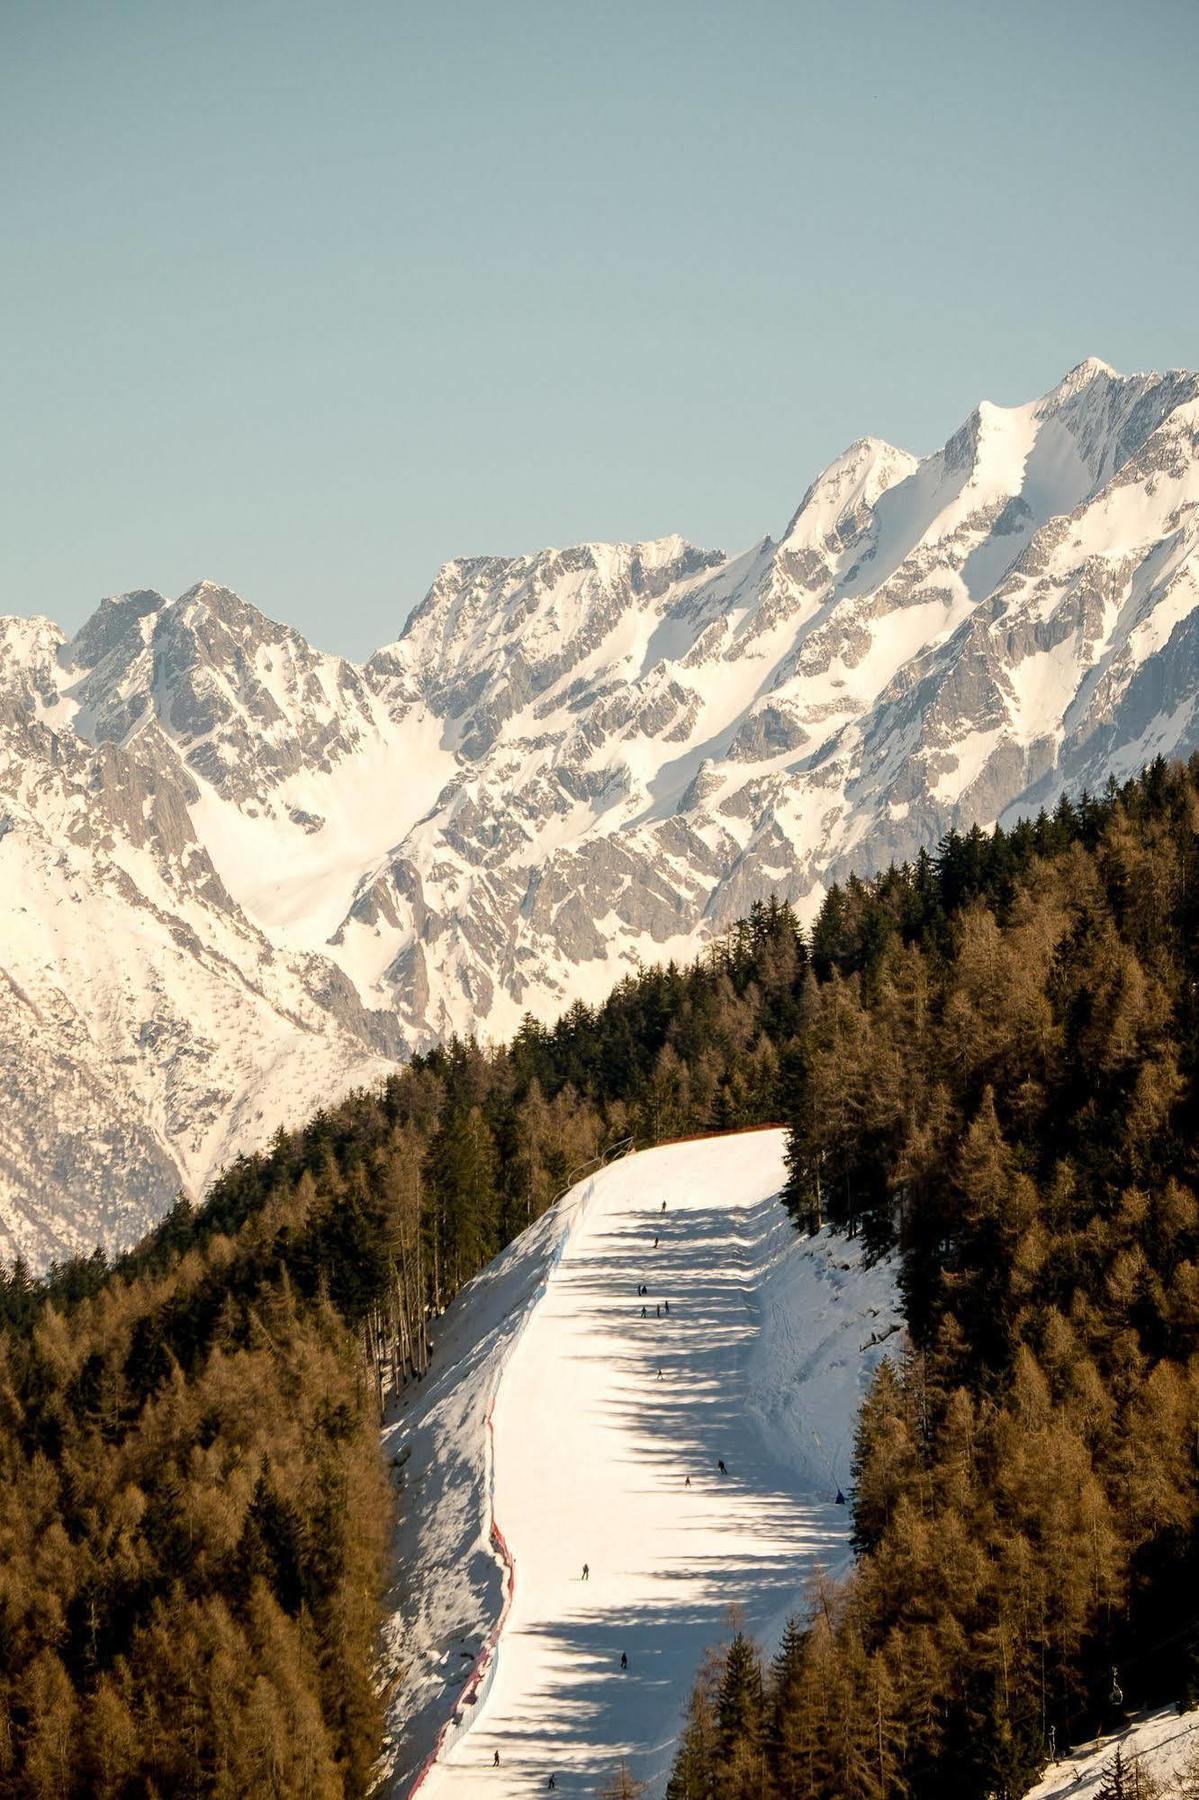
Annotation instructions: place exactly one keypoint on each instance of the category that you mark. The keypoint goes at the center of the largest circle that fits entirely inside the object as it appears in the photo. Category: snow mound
(764, 1354)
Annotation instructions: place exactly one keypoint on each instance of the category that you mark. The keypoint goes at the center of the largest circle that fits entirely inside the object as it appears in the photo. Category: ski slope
(764, 1355)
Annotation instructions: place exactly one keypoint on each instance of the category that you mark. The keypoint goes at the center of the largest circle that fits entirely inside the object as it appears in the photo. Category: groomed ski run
(607, 1432)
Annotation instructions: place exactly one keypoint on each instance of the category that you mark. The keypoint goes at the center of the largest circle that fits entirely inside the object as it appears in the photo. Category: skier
(624, 1661)
(720, 1465)
(663, 1206)
(655, 1243)
(687, 1483)
(659, 1374)
(586, 1571)
(643, 1312)
(666, 1304)
(657, 1312)
(495, 1761)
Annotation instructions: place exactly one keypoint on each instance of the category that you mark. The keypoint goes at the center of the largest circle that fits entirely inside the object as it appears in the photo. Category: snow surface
(768, 1347)
(1162, 1742)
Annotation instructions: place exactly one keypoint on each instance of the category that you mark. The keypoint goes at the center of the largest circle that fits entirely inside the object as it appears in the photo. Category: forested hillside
(995, 1071)
(193, 1514)
(986, 1057)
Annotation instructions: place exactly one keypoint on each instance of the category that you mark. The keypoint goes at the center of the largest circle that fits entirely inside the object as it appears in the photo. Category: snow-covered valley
(240, 875)
(765, 1343)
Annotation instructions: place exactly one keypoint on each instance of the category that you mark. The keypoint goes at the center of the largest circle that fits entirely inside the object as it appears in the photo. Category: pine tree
(693, 1776)
(1124, 1778)
(739, 1703)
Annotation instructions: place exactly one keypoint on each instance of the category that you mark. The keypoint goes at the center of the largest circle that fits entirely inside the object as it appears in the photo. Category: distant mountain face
(238, 876)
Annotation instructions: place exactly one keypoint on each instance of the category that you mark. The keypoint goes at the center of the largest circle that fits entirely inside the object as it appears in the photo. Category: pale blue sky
(308, 298)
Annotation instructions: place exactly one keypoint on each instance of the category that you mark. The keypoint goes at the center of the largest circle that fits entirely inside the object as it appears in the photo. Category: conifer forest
(986, 1064)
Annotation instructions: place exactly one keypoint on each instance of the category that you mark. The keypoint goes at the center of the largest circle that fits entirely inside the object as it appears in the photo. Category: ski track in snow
(764, 1358)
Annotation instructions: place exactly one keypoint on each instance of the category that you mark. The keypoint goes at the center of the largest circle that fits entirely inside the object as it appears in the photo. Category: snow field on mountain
(297, 884)
(765, 1353)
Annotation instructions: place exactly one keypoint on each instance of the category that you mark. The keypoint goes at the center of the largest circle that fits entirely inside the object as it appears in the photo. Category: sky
(307, 299)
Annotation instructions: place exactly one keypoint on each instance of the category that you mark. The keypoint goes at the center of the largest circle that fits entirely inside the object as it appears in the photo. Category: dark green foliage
(739, 1703)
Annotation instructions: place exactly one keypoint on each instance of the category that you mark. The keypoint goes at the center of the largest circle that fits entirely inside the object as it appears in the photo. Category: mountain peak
(1093, 368)
(852, 481)
(1090, 367)
(215, 598)
(118, 619)
(477, 600)
(212, 613)
(207, 592)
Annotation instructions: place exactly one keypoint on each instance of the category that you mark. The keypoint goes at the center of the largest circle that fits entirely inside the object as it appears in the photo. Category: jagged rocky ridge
(239, 875)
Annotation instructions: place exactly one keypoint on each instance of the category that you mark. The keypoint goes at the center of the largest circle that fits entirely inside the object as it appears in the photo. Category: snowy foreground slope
(1161, 1743)
(237, 871)
(766, 1351)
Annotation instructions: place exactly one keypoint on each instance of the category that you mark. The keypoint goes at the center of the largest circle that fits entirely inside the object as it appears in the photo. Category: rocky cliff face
(238, 874)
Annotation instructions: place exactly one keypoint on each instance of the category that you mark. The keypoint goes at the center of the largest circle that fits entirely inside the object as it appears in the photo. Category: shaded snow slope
(449, 1588)
(1160, 1742)
(764, 1357)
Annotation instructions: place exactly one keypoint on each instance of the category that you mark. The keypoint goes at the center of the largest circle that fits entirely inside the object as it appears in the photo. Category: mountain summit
(239, 875)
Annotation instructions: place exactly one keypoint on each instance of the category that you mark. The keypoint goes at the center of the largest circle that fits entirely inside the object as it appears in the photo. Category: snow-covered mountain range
(238, 875)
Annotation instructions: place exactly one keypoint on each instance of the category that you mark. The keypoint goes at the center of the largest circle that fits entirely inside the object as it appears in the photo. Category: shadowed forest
(986, 1063)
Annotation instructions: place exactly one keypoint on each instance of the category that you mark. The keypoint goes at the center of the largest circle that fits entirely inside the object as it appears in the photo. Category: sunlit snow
(764, 1354)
